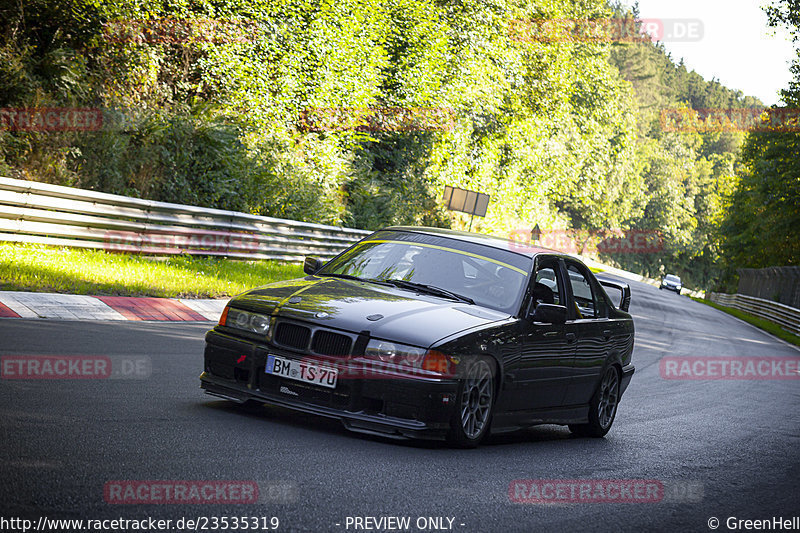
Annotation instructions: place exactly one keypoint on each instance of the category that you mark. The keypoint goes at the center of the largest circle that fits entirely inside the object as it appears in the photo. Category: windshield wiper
(355, 278)
(429, 289)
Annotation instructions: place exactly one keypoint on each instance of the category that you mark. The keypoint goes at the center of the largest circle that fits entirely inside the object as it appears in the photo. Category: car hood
(386, 312)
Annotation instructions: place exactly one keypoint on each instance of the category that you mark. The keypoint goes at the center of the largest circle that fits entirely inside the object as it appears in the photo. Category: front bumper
(398, 407)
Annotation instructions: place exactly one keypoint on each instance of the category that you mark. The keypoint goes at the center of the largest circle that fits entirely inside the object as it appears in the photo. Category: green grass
(38, 268)
(766, 325)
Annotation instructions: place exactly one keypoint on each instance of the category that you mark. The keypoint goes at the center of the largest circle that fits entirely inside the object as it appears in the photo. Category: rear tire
(474, 406)
(602, 407)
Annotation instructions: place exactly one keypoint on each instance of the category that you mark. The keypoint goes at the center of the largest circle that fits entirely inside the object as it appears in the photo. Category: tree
(762, 227)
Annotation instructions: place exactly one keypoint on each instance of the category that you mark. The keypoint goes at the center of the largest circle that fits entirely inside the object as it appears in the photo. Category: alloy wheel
(476, 399)
(609, 397)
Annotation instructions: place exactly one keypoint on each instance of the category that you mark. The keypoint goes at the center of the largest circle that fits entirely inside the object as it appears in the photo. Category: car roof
(527, 250)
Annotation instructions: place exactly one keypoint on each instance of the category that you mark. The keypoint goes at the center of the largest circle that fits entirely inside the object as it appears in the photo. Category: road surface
(719, 448)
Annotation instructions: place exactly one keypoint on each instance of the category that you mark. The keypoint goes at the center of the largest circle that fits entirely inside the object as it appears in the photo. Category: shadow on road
(286, 418)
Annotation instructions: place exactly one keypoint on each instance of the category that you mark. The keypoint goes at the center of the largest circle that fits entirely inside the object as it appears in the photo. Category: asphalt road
(733, 445)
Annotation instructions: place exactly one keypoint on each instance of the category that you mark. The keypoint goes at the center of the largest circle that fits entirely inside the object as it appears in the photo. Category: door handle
(607, 333)
(551, 334)
(570, 338)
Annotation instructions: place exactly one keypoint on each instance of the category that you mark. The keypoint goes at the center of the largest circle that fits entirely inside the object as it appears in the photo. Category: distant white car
(672, 283)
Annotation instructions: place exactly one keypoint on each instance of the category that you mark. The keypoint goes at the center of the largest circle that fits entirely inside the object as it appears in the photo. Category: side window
(585, 300)
(603, 304)
(545, 288)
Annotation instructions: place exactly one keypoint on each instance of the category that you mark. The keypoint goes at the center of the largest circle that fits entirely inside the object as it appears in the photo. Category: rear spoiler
(624, 288)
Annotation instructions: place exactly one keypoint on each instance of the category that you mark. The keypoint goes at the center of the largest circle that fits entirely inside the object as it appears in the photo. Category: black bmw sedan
(431, 333)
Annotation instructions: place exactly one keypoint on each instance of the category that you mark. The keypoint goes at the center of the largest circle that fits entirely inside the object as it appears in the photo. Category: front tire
(474, 406)
(602, 408)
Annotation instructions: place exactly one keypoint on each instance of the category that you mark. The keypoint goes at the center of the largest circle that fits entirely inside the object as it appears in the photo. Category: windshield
(674, 279)
(483, 274)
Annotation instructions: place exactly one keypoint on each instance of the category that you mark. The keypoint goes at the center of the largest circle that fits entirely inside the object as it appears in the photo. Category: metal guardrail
(787, 317)
(33, 212)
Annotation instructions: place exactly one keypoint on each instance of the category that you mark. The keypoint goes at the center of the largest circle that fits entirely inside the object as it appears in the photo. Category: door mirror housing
(312, 265)
(549, 314)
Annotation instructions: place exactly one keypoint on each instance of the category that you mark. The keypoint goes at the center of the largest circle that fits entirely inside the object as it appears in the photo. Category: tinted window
(484, 274)
(582, 291)
(545, 289)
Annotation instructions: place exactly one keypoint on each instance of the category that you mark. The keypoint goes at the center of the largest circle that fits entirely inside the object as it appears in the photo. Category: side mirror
(311, 265)
(623, 288)
(550, 314)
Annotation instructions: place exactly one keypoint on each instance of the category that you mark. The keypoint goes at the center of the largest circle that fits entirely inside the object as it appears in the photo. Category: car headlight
(246, 321)
(390, 352)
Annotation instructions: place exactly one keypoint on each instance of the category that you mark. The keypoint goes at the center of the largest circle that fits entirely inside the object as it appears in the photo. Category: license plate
(304, 371)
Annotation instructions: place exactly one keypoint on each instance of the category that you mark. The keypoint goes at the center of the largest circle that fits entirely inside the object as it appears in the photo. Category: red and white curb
(78, 307)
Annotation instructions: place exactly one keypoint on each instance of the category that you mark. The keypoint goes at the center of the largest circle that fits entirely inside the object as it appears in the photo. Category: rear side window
(585, 299)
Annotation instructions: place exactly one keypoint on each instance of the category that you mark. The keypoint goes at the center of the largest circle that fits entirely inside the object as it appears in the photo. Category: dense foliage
(358, 112)
(762, 223)
(686, 176)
